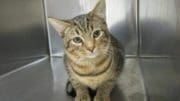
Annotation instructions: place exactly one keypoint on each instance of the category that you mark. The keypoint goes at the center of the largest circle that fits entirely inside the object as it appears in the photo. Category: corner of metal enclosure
(47, 28)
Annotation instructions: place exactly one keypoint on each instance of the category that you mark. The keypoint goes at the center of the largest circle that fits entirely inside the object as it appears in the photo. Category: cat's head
(85, 36)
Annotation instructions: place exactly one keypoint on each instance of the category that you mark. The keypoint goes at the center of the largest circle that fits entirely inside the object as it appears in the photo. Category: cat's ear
(59, 25)
(100, 9)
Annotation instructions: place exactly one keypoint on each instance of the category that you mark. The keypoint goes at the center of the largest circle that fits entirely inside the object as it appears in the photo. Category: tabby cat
(93, 57)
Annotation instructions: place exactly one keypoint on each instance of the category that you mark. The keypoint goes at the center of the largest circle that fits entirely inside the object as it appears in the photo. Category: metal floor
(162, 78)
(45, 79)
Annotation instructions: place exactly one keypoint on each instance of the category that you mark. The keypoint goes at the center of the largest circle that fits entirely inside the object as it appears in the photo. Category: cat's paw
(102, 98)
(84, 97)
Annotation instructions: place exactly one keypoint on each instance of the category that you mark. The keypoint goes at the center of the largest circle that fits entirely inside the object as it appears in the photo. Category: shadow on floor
(117, 94)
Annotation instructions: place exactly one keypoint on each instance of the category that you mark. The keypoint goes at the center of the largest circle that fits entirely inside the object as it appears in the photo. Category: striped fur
(95, 62)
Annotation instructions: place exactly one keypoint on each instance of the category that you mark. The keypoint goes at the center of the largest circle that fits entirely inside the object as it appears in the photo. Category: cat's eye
(77, 39)
(97, 33)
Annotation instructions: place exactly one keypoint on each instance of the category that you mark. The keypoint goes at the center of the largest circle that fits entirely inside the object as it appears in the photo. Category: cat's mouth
(91, 55)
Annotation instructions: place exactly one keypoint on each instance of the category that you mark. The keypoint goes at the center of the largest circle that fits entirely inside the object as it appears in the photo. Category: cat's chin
(91, 55)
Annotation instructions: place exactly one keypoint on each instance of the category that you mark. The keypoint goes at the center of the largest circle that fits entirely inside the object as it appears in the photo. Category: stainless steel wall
(159, 31)
(121, 22)
(22, 31)
(159, 27)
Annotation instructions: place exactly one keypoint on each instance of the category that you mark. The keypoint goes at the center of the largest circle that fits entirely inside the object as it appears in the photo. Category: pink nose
(90, 46)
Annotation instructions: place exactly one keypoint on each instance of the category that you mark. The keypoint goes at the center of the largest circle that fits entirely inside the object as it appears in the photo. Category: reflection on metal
(121, 19)
(161, 78)
(159, 27)
(86, 5)
(32, 82)
(22, 31)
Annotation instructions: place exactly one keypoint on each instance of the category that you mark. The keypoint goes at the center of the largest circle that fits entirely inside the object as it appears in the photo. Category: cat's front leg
(82, 93)
(104, 91)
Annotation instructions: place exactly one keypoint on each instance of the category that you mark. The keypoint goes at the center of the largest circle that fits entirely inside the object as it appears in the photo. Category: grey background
(159, 28)
(22, 32)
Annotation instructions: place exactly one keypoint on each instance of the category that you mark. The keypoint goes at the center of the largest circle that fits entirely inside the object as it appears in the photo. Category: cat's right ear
(100, 9)
(59, 25)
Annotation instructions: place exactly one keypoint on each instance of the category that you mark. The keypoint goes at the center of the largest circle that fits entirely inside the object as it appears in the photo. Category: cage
(31, 53)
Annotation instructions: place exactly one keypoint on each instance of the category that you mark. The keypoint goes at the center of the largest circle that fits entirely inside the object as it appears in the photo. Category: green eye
(96, 34)
(77, 39)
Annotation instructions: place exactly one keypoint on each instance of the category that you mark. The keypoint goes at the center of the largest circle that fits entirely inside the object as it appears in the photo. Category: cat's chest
(93, 81)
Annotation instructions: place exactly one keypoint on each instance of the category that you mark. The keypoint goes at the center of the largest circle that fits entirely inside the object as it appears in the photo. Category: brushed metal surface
(22, 29)
(45, 80)
(121, 19)
(22, 32)
(31, 82)
(10, 65)
(161, 78)
(159, 27)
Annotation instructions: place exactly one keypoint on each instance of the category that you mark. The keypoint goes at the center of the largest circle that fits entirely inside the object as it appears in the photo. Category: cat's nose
(91, 49)
(90, 46)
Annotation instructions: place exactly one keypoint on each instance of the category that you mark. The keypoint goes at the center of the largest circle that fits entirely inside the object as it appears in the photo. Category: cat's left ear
(59, 25)
(100, 9)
